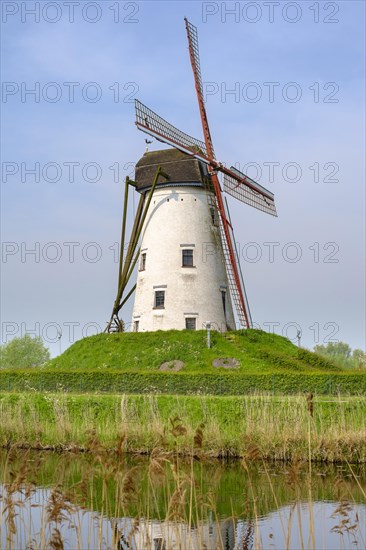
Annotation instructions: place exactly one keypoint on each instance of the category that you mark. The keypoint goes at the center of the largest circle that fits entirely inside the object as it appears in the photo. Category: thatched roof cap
(181, 168)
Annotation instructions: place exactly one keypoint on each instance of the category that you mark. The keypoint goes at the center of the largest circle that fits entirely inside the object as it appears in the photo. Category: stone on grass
(173, 366)
(226, 362)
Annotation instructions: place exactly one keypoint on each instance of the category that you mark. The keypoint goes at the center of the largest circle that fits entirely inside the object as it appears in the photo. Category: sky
(284, 85)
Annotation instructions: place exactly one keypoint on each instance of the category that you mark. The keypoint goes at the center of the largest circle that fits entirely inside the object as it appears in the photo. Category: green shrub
(278, 359)
(183, 383)
(317, 361)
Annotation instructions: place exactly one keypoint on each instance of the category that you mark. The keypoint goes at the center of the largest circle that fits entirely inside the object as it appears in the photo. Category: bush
(183, 383)
(317, 361)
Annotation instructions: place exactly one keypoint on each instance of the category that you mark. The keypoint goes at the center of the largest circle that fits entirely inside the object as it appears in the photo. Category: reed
(161, 502)
(282, 428)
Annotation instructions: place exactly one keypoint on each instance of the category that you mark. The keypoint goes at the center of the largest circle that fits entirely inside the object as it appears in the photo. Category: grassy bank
(280, 428)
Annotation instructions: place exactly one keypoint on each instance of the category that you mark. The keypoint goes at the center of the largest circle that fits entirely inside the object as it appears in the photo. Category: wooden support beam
(127, 264)
(128, 295)
(123, 231)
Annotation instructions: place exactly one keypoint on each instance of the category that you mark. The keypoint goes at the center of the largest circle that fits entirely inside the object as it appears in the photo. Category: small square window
(191, 323)
(159, 298)
(143, 261)
(187, 258)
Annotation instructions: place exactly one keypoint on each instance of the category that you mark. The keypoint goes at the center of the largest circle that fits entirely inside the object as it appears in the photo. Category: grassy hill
(255, 351)
(238, 363)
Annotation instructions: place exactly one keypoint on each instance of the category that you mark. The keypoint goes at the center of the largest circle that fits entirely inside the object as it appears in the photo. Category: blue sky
(317, 143)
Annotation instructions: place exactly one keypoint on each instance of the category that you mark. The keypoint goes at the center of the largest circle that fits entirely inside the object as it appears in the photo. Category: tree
(359, 357)
(23, 353)
(340, 350)
(341, 353)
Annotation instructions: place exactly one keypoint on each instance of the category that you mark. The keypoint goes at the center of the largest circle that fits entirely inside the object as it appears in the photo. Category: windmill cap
(182, 168)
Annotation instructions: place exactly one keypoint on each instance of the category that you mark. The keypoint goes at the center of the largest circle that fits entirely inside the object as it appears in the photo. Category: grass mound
(255, 352)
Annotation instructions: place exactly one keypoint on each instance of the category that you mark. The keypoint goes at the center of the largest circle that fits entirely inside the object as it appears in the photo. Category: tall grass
(283, 428)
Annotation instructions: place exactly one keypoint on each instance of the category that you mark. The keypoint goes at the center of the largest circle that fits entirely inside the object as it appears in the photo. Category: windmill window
(136, 326)
(143, 261)
(213, 216)
(159, 299)
(191, 323)
(187, 258)
(223, 297)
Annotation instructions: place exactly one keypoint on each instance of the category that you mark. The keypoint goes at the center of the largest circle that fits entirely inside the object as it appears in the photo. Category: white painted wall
(181, 216)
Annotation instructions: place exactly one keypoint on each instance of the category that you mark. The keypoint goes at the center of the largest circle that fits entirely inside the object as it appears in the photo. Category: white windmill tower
(182, 281)
(182, 235)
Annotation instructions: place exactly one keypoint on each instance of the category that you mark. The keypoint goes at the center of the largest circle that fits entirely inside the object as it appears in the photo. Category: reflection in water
(164, 535)
(162, 503)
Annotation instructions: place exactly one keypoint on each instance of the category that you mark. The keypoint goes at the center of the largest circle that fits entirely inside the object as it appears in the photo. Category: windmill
(163, 170)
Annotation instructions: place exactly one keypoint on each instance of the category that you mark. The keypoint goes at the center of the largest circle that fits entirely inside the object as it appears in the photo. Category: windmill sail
(237, 290)
(194, 55)
(193, 44)
(236, 184)
(238, 294)
(154, 125)
(252, 194)
(247, 307)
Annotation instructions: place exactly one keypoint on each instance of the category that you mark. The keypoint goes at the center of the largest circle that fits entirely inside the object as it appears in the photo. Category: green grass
(257, 352)
(280, 427)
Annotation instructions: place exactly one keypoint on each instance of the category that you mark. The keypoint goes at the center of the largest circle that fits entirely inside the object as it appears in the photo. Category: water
(104, 501)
